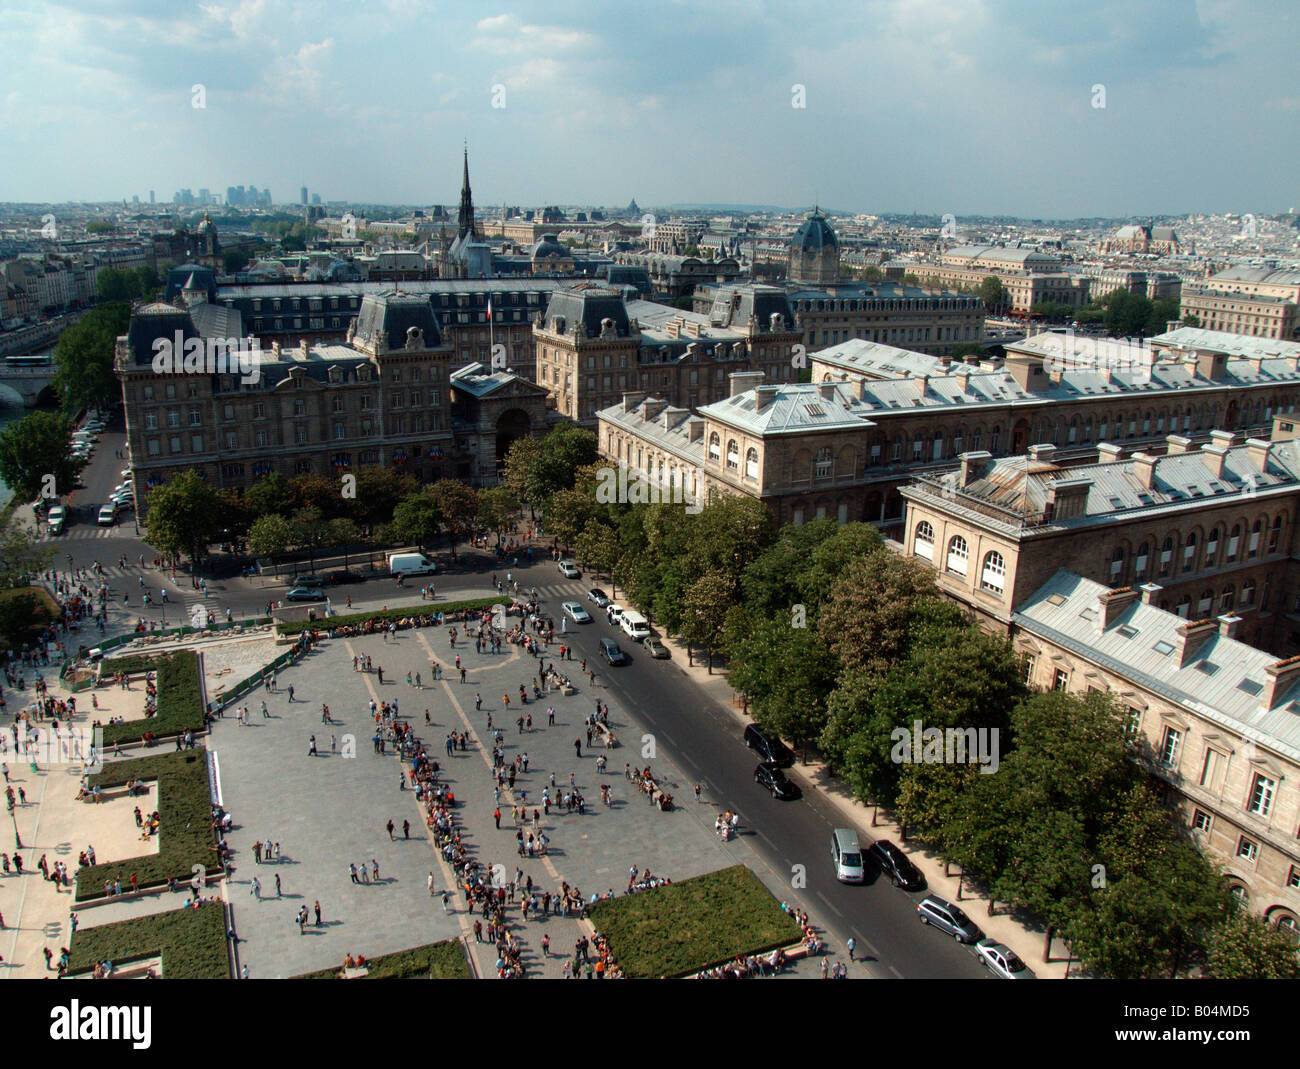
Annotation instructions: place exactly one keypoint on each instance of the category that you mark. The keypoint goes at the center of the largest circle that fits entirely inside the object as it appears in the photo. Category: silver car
(1001, 960)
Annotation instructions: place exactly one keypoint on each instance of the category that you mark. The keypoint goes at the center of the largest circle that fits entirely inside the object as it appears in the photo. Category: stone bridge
(27, 386)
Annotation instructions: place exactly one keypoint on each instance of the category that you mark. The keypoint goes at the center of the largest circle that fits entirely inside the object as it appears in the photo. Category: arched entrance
(1019, 437)
(512, 424)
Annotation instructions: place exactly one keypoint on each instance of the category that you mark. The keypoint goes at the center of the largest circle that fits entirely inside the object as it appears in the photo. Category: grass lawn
(433, 961)
(693, 925)
(192, 943)
(180, 701)
(359, 618)
(186, 831)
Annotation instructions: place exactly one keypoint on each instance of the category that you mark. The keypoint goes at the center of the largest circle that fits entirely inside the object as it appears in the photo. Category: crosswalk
(80, 531)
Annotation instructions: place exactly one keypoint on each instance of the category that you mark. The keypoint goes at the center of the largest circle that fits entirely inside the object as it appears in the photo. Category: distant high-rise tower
(151, 200)
(304, 194)
(465, 224)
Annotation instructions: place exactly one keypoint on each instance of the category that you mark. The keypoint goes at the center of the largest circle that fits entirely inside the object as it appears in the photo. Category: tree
(704, 611)
(234, 260)
(378, 492)
(343, 531)
(270, 535)
(1243, 947)
(184, 516)
(38, 445)
(271, 495)
(314, 491)
(597, 547)
(568, 512)
(116, 284)
(83, 357)
(235, 514)
(993, 293)
(498, 508)
(457, 504)
(871, 273)
(18, 612)
(417, 519)
(22, 553)
(309, 530)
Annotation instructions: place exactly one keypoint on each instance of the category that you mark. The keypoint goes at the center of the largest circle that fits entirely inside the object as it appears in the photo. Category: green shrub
(684, 927)
(180, 701)
(192, 943)
(356, 619)
(183, 800)
(433, 961)
(132, 663)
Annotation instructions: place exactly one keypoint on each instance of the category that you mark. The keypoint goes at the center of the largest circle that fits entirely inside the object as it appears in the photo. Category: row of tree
(837, 641)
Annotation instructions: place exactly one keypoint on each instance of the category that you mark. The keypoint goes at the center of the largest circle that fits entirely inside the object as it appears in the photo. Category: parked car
(597, 597)
(305, 593)
(107, 515)
(656, 648)
(846, 855)
(948, 918)
(610, 651)
(895, 864)
(570, 570)
(306, 579)
(343, 575)
(1001, 961)
(615, 612)
(576, 612)
(771, 778)
(770, 751)
(56, 518)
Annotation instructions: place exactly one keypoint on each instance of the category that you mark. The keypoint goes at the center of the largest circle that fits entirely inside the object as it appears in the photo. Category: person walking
(277, 885)
(256, 888)
(266, 715)
(851, 946)
(291, 692)
(316, 907)
(497, 816)
(390, 830)
(577, 747)
(429, 882)
(312, 752)
(446, 901)
(406, 828)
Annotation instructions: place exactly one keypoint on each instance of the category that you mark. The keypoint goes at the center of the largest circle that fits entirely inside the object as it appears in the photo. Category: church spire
(466, 221)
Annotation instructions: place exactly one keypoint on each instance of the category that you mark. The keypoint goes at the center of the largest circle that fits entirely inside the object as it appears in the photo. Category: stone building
(489, 411)
(814, 258)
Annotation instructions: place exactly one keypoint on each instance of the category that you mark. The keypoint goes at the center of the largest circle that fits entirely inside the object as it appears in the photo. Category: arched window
(733, 455)
(1206, 603)
(995, 440)
(1166, 556)
(1189, 552)
(923, 543)
(751, 463)
(1228, 599)
(1275, 535)
(1248, 593)
(993, 576)
(1143, 556)
(1212, 549)
(715, 447)
(1289, 927)
(1087, 429)
(1234, 543)
(1242, 895)
(1252, 547)
(958, 553)
(825, 465)
(1117, 563)
(1184, 606)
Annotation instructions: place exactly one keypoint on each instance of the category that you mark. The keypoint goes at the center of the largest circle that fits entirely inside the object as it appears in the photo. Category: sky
(1031, 108)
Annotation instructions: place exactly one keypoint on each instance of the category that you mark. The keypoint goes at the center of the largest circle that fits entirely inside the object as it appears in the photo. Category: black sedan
(305, 593)
(774, 780)
(895, 864)
(344, 576)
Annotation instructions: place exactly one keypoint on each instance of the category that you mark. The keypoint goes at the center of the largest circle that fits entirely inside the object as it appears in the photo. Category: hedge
(433, 961)
(179, 706)
(191, 942)
(132, 663)
(681, 928)
(325, 623)
(183, 800)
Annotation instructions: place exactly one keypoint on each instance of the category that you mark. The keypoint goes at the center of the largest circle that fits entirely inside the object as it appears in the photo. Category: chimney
(1214, 456)
(963, 381)
(1043, 451)
(653, 406)
(860, 387)
(1028, 373)
(1144, 468)
(1228, 626)
(1257, 450)
(764, 396)
(744, 380)
(1111, 603)
(1109, 453)
(1281, 675)
(1256, 363)
(1191, 637)
(1211, 365)
(695, 426)
(1177, 445)
(672, 416)
(631, 400)
(1067, 499)
(1149, 592)
(972, 466)
(922, 383)
(1226, 439)
(827, 390)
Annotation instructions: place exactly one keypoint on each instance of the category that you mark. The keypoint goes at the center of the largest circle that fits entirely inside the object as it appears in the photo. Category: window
(1210, 769)
(733, 455)
(155, 447)
(173, 418)
(228, 412)
(1143, 555)
(923, 543)
(1275, 534)
(1234, 542)
(825, 464)
(1201, 821)
(340, 431)
(151, 421)
(174, 443)
(1031, 667)
(232, 441)
(300, 434)
(1248, 593)
(715, 447)
(1252, 547)
(1166, 555)
(1169, 745)
(1117, 563)
(1133, 727)
(751, 463)
(1189, 552)
(196, 418)
(993, 577)
(171, 391)
(1262, 790)
(300, 408)
(259, 438)
(1247, 849)
(1061, 680)
(1212, 548)
(148, 393)
(958, 553)
(1206, 603)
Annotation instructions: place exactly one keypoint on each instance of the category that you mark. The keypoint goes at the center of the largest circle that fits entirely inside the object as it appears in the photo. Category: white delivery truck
(410, 564)
(634, 624)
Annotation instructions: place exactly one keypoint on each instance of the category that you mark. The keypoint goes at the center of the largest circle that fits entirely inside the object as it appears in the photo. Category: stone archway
(512, 425)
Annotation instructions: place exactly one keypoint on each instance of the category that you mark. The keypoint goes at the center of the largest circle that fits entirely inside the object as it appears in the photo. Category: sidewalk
(873, 823)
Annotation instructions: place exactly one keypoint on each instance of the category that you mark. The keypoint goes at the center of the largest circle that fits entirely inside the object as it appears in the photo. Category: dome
(815, 234)
(549, 246)
(391, 316)
(153, 321)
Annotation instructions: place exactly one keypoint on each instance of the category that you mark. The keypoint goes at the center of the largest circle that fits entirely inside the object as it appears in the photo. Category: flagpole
(491, 337)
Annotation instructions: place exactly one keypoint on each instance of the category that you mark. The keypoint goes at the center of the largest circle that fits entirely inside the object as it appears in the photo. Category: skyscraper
(304, 194)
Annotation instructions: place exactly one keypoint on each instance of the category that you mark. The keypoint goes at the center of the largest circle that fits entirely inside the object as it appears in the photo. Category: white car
(55, 519)
(570, 570)
(576, 612)
(107, 515)
(615, 612)
(1001, 961)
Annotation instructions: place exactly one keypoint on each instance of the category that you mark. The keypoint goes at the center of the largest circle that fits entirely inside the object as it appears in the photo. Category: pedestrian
(430, 883)
(291, 692)
(317, 909)
(446, 901)
(497, 816)
(265, 713)
(577, 747)
(850, 946)
(352, 871)
(277, 885)
(697, 792)
(546, 946)
(406, 829)
(256, 889)
(312, 752)
(390, 830)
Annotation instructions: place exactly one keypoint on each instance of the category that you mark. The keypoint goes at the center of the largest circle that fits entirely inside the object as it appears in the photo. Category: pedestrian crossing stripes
(81, 531)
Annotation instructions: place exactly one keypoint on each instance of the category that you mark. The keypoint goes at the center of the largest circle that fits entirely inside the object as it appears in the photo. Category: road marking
(893, 970)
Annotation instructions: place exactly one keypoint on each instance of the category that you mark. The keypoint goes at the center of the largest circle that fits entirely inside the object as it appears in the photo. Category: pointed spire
(465, 224)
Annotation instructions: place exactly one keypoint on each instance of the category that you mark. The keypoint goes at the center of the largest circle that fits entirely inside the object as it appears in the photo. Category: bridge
(26, 385)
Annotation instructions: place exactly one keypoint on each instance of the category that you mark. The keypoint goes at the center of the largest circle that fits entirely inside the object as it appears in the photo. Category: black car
(305, 593)
(610, 651)
(770, 751)
(343, 576)
(894, 864)
(773, 779)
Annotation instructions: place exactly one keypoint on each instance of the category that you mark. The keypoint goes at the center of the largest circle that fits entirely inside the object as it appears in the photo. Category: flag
(489, 309)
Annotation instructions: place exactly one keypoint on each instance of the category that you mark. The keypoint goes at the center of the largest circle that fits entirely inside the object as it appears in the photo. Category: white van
(410, 564)
(634, 625)
(847, 855)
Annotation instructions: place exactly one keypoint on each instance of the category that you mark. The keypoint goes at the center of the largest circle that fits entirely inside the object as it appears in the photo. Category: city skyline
(904, 111)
